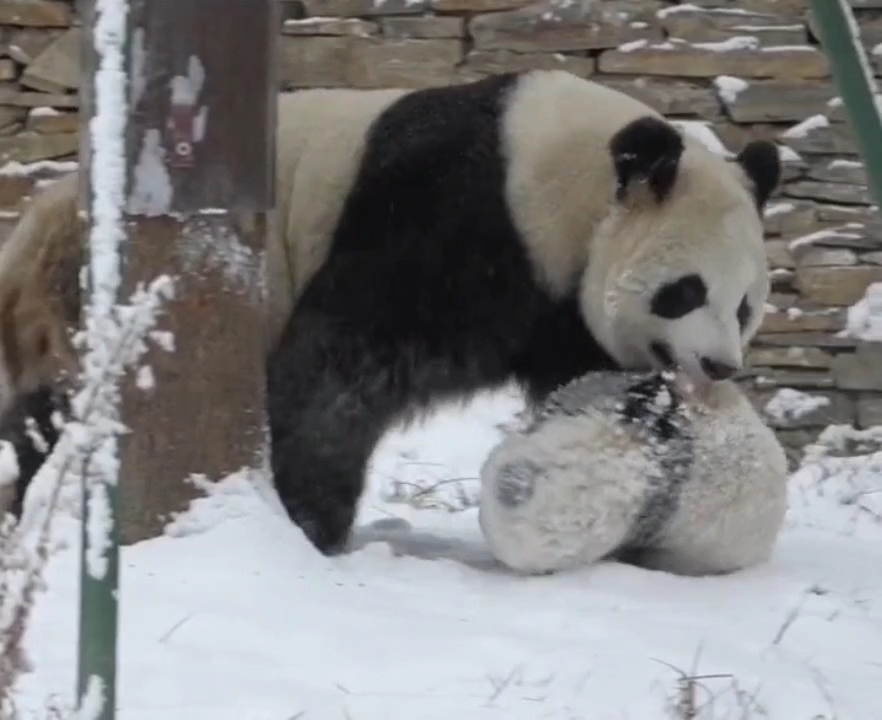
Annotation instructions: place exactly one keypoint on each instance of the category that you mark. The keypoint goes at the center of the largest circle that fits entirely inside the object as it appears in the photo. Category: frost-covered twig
(687, 702)
(25, 548)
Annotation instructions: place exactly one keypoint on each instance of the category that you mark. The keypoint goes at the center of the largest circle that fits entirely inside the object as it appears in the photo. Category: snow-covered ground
(234, 616)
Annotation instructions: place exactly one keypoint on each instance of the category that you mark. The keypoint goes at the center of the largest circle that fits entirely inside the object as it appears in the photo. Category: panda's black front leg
(560, 348)
(329, 403)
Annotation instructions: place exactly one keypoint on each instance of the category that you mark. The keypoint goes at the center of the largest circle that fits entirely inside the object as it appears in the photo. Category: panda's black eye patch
(744, 313)
(676, 299)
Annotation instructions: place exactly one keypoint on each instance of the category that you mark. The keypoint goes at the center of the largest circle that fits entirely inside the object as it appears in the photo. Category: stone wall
(726, 71)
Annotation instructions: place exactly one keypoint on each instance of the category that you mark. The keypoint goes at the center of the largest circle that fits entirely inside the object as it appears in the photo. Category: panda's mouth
(665, 361)
(697, 381)
(662, 353)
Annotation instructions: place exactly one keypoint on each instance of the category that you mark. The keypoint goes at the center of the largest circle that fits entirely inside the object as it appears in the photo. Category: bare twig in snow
(26, 547)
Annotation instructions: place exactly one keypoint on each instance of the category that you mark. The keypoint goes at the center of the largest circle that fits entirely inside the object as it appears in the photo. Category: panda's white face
(689, 309)
(682, 284)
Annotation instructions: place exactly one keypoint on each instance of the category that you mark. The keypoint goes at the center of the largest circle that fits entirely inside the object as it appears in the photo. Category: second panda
(642, 467)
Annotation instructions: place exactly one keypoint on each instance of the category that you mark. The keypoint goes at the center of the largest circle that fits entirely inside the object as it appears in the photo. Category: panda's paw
(516, 482)
(329, 535)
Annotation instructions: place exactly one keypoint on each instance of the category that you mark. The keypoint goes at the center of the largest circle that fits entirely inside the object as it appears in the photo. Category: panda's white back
(560, 178)
(321, 141)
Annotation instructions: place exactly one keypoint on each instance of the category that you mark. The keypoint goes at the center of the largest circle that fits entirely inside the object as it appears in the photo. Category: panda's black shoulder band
(647, 149)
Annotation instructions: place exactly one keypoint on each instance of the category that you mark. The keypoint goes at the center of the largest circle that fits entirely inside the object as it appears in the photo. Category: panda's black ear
(762, 164)
(648, 150)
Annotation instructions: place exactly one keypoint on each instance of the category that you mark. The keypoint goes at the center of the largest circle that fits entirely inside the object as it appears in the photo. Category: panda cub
(642, 467)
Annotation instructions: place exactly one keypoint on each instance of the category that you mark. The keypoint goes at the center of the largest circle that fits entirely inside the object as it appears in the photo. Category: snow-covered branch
(79, 455)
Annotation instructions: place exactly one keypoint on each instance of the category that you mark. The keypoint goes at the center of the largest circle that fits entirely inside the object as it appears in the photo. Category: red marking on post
(181, 129)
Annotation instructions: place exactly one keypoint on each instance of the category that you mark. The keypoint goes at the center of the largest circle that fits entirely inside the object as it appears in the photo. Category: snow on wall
(802, 129)
(790, 404)
(729, 87)
(702, 131)
(864, 320)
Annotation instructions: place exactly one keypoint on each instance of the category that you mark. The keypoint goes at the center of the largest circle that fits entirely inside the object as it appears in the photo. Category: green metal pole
(835, 22)
(96, 677)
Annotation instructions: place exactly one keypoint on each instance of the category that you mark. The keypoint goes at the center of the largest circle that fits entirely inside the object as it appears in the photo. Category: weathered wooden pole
(199, 133)
(200, 160)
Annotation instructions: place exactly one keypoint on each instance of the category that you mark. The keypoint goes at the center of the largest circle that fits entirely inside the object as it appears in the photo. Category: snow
(843, 163)
(803, 128)
(107, 233)
(734, 43)
(57, 167)
(781, 274)
(729, 87)
(44, 111)
(787, 48)
(233, 615)
(703, 132)
(789, 404)
(864, 319)
(407, 3)
(8, 464)
(211, 245)
(763, 28)
(353, 26)
(688, 7)
(788, 154)
(632, 46)
(778, 208)
(821, 235)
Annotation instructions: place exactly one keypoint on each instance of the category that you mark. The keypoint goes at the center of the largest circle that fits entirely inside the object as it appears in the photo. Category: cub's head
(40, 293)
(677, 275)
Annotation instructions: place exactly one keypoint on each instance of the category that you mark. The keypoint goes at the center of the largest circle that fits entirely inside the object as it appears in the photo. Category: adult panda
(637, 466)
(530, 226)
(433, 243)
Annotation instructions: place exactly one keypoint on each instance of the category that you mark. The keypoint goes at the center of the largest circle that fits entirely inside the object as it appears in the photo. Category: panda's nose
(717, 370)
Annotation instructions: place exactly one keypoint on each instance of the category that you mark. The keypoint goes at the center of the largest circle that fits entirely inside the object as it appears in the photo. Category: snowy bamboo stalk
(840, 38)
(96, 678)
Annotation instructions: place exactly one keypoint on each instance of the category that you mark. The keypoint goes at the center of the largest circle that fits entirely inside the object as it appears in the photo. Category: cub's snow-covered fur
(636, 466)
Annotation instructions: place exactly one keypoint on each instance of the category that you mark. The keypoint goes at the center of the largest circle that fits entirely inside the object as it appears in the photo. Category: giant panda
(432, 243)
(644, 467)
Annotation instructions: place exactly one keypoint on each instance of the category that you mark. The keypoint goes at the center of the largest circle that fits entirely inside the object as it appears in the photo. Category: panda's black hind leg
(357, 356)
(331, 397)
